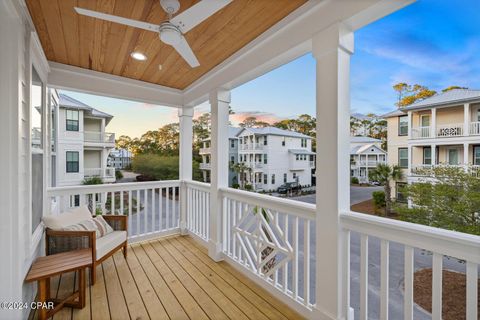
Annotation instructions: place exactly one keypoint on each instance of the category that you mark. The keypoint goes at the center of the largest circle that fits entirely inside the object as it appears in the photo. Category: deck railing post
(185, 116)
(332, 49)
(219, 101)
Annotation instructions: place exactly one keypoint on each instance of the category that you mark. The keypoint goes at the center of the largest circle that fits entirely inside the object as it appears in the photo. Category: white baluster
(472, 291)
(364, 277)
(384, 277)
(437, 262)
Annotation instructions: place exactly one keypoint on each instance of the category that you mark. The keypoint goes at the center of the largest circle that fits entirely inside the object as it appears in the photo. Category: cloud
(267, 117)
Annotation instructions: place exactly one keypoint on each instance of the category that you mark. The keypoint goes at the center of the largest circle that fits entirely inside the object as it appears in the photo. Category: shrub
(92, 180)
(378, 199)
(248, 187)
(118, 175)
(156, 166)
(235, 186)
(354, 180)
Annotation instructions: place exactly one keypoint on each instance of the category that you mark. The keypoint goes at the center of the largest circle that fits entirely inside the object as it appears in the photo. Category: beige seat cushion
(108, 242)
(62, 220)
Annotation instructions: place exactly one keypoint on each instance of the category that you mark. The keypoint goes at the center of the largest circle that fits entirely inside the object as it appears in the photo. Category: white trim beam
(72, 78)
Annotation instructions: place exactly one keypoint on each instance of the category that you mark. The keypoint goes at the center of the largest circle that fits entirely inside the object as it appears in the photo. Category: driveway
(357, 194)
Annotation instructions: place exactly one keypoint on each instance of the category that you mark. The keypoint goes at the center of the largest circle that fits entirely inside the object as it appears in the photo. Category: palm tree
(384, 173)
(240, 168)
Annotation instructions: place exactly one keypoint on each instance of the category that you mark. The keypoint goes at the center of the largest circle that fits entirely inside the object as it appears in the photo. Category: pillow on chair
(86, 225)
(62, 220)
(103, 227)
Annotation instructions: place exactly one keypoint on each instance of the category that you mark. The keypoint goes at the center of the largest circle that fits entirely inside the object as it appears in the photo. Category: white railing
(475, 128)
(205, 151)
(272, 239)
(450, 130)
(152, 207)
(426, 170)
(420, 132)
(439, 242)
(198, 209)
(99, 172)
(251, 146)
(205, 166)
(98, 136)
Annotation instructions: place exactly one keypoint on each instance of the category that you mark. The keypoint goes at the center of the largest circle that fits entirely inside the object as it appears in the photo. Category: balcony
(475, 128)
(421, 132)
(205, 166)
(107, 174)
(99, 138)
(274, 250)
(426, 170)
(251, 147)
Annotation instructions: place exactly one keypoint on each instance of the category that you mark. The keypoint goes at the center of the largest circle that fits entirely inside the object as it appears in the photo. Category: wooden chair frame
(92, 240)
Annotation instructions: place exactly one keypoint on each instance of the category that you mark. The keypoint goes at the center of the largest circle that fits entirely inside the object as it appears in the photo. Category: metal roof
(276, 132)
(449, 97)
(300, 151)
(69, 102)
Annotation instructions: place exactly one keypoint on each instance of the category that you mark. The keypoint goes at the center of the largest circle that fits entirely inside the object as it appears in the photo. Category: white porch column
(466, 146)
(410, 124)
(410, 160)
(466, 119)
(433, 124)
(219, 102)
(332, 49)
(433, 148)
(185, 116)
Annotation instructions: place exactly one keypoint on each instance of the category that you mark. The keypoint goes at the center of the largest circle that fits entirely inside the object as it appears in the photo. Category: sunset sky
(432, 42)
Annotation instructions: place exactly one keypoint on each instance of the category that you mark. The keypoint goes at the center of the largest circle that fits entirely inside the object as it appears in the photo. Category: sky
(435, 43)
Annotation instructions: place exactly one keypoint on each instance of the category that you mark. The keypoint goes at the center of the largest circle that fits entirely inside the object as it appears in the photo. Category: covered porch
(231, 249)
(169, 278)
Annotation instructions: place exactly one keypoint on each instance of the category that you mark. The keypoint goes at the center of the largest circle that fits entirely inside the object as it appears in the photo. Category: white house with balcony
(275, 156)
(282, 259)
(205, 153)
(83, 145)
(365, 154)
(119, 159)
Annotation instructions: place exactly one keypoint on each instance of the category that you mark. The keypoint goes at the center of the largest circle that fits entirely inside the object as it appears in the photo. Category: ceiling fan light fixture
(138, 56)
(169, 34)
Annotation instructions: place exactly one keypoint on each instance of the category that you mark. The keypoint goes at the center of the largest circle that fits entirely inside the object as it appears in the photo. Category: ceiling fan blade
(193, 16)
(186, 52)
(116, 19)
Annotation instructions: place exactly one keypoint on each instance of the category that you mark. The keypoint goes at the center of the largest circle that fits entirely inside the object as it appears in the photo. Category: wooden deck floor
(170, 278)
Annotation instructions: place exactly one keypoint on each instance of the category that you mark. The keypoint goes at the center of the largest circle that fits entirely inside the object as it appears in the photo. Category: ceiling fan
(173, 29)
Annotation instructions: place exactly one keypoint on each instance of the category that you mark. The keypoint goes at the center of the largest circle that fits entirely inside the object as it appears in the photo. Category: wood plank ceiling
(93, 44)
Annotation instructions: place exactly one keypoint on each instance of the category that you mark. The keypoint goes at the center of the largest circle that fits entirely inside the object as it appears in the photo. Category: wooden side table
(44, 268)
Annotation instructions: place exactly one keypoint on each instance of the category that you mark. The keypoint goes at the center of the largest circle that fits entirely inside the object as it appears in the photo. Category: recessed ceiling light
(138, 56)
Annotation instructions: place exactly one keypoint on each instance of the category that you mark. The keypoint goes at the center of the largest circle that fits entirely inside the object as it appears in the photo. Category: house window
(265, 159)
(403, 125)
(265, 178)
(232, 144)
(283, 142)
(284, 178)
(425, 120)
(72, 120)
(273, 178)
(260, 178)
(400, 192)
(476, 155)
(427, 155)
(403, 157)
(232, 159)
(265, 141)
(294, 176)
(72, 161)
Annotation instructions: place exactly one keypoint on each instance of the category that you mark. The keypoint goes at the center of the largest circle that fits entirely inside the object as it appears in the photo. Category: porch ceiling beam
(67, 77)
(288, 40)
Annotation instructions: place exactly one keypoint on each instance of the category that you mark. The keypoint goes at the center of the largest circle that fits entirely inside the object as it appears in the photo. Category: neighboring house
(120, 159)
(443, 129)
(205, 152)
(275, 156)
(365, 154)
(82, 145)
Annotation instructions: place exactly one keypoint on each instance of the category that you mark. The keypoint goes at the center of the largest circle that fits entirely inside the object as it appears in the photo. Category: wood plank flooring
(170, 278)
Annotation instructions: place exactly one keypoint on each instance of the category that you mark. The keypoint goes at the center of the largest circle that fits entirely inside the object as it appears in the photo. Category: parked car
(289, 187)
